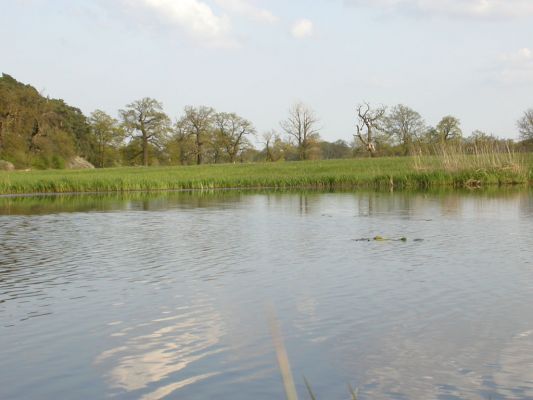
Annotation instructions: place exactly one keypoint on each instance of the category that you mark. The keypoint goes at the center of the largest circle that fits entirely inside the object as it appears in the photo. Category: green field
(377, 173)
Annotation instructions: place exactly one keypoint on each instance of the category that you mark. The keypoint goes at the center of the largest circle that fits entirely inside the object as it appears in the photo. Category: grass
(312, 396)
(493, 163)
(284, 363)
(447, 170)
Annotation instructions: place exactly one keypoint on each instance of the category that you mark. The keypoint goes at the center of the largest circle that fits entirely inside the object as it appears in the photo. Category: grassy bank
(400, 173)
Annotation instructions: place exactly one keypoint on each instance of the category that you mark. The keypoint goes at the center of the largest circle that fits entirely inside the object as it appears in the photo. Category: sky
(469, 58)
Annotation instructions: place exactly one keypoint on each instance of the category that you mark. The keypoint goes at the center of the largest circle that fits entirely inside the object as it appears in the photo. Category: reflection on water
(171, 344)
(163, 295)
(516, 373)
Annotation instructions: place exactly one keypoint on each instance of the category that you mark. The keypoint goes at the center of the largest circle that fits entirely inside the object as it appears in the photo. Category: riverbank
(378, 173)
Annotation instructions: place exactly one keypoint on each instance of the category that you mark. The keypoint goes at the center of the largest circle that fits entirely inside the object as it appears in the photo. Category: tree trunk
(145, 150)
(408, 145)
(198, 150)
(102, 154)
(370, 146)
(233, 153)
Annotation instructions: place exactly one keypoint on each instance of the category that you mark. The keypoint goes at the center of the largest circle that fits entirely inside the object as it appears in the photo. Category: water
(169, 295)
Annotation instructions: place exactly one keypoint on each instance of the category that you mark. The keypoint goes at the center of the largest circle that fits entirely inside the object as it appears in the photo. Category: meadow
(445, 170)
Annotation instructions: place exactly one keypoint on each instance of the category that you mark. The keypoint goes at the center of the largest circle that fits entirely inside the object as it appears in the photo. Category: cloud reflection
(161, 357)
(516, 367)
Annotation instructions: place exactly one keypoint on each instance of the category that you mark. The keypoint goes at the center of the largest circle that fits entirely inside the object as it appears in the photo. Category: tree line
(40, 132)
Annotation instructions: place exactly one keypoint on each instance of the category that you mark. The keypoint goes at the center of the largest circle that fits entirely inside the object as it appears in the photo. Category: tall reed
(484, 162)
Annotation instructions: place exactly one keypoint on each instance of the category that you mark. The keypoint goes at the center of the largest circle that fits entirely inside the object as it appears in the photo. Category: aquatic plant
(477, 165)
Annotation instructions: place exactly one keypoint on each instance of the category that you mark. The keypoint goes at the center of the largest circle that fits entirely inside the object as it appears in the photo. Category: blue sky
(469, 58)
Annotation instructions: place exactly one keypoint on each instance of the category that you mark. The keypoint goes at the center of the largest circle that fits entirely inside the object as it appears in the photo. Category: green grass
(384, 173)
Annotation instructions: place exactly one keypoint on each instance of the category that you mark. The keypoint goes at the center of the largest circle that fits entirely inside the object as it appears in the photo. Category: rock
(79, 163)
(6, 166)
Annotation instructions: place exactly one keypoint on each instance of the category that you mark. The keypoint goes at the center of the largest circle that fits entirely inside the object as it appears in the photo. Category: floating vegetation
(383, 239)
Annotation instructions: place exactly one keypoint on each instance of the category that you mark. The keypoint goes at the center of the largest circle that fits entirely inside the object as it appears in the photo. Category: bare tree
(525, 125)
(144, 119)
(301, 125)
(368, 120)
(268, 139)
(198, 122)
(232, 131)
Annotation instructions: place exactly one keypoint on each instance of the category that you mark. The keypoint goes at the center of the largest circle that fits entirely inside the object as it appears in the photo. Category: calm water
(168, 296)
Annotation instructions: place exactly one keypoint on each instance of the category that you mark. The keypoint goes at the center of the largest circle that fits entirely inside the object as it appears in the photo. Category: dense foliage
(36, 131)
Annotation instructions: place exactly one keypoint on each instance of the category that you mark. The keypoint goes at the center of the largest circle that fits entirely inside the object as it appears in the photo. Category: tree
(107, 136)
(198, 123)
(449, 128)
(181, 147)
(145, 120)
(301, 125)
(232, 131)
(73, 120)
(525, 125)
(268, 139)
(368, 120)
(405, 124)
(480, 137)
(335, 150)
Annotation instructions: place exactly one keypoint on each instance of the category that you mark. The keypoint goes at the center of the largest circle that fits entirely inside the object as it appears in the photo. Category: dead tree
(368, 120)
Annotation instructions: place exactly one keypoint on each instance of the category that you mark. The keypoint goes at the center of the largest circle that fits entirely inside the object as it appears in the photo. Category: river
(173, 295)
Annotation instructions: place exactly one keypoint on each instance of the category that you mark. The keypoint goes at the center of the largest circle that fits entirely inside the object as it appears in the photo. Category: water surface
(168, 295)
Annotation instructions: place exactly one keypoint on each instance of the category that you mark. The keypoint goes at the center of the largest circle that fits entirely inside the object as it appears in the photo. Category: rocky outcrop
(79, 163)
(6, 166)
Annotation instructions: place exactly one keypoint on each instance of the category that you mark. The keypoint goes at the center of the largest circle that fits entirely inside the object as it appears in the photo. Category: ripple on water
(170, 302)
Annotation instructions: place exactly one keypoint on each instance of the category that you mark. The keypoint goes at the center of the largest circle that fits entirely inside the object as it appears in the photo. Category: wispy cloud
(248, 9)
(194, 17)
(481, 9)
(302, 29)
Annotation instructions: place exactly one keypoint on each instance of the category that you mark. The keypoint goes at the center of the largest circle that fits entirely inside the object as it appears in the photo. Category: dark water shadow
(161, 200)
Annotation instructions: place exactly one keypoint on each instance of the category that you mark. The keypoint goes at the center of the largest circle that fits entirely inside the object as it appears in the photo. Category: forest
(38, 132)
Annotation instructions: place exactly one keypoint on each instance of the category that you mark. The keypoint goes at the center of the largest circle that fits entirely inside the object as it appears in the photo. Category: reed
(479, 164)
(448, 169)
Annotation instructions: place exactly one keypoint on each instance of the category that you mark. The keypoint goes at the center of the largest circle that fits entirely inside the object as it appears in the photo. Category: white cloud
(516, 68)
(302, 29)
(193, 17)
(246, 8)
(463, 8)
